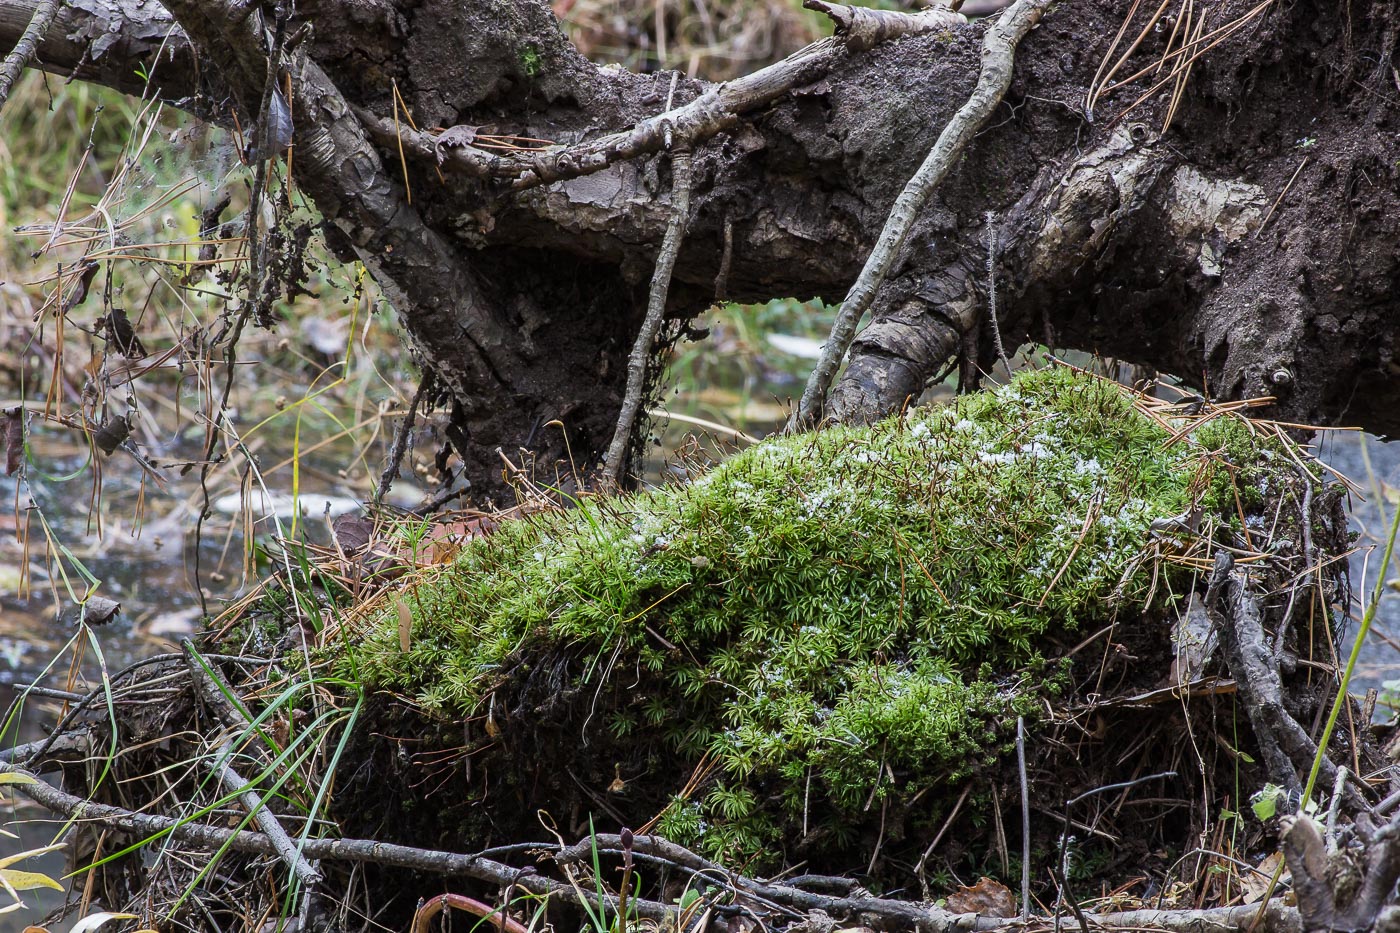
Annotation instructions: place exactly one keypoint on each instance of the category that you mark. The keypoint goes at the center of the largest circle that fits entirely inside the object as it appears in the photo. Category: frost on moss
(832, 617)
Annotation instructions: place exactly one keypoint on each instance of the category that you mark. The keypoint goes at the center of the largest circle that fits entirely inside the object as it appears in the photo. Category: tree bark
(1251, 249)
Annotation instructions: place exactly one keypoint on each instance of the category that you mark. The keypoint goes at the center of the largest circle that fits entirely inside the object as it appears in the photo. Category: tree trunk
(1253, 248)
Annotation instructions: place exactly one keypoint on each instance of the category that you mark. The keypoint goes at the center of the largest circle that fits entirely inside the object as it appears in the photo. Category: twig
(212, 688)
(938, 837)
(890, 914)
(27, 46)
(267, 821)
(1025, 818)
(396, 453)
(656, 310)
(209, 837)
(992, 246)
(1335, 808)
(1278, 200)
(998, 51)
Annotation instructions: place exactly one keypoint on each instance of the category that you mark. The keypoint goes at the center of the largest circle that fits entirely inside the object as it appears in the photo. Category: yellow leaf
(28, 880)
(9, 860)
(15, 777)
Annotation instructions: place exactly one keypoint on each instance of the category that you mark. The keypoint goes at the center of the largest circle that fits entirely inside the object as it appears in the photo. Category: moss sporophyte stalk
(827, 619)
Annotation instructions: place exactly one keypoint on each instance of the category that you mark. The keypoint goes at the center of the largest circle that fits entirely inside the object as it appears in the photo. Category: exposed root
(656, 309)
(998, 51)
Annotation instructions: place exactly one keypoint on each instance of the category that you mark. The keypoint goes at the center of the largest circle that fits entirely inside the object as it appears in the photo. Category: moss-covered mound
(825, 623)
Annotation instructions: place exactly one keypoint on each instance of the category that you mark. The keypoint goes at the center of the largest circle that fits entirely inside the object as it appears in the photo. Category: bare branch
(25, 49)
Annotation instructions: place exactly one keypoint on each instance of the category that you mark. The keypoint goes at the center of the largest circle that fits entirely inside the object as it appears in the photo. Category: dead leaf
(14, 439)
(352, 532)
(455, 137)
(80, 290)
(987, 898)
(405, 627)
(99, 610)
(1194, 637)
(1256, 883)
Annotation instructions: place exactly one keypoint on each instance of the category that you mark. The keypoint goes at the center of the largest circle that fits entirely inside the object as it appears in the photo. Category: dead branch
(998, 51)
(1286, 745)
(882, 913)
(27, 46)
(204, 836)
(216, 693)
(1344, 888)
(656, 310)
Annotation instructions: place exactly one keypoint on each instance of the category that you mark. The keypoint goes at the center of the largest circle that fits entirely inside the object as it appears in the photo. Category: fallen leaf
(93, 921)
(1256, 883)
(987, 898)
(99, 610)
(352, 532)
(405, 627)
(14, 439)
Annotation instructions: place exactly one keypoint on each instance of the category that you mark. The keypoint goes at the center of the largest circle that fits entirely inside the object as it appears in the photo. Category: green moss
(834, 617)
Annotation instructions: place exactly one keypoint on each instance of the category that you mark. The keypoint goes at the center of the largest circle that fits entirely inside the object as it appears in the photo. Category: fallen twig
(216, 693)
(998, 51)
(884, 913)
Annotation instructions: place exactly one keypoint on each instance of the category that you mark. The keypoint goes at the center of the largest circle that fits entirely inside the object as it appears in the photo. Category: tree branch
(25, 49)
(1273, 917)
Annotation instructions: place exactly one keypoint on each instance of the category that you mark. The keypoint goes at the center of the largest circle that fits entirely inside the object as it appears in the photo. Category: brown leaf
(352, 532)
(14, 439)
(1257, 883)
(455, 138)
(987, 897)
(80, 291)
(405, 627)
(121, 335)
(99, 610)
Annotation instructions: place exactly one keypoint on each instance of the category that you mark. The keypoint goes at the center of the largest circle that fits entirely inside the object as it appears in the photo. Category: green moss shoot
(834, 616)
